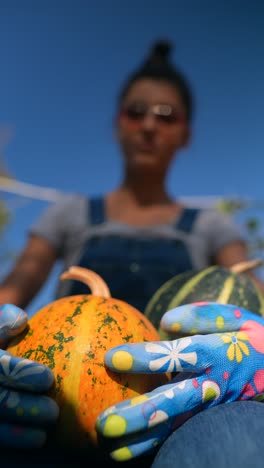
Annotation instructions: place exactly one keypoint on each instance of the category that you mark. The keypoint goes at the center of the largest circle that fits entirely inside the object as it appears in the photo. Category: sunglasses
(163, 113)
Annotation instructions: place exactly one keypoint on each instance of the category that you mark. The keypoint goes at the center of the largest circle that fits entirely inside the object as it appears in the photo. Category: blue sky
(62, 63)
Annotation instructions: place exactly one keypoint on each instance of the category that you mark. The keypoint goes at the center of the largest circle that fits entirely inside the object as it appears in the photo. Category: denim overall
(134, 267)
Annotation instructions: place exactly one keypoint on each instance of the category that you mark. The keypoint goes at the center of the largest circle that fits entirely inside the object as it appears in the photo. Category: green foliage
(4, 216)
(252, 224)
(229, 206)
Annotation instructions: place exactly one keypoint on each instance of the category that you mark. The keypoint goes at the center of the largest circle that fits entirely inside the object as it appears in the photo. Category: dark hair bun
(159, 67)
(160, 52)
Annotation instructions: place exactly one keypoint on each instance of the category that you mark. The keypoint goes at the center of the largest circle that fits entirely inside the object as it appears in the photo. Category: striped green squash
(213, 284)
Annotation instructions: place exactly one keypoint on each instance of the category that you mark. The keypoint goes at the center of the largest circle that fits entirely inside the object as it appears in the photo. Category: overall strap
(96, 210)
(187, 219)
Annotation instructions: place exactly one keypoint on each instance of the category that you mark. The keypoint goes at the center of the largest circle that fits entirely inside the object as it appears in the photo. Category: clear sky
(63, 61)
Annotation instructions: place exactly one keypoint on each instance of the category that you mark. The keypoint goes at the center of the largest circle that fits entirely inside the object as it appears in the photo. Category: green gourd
(212, 284)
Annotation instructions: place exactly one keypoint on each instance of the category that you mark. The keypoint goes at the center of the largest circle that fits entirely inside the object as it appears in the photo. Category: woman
(138, 236)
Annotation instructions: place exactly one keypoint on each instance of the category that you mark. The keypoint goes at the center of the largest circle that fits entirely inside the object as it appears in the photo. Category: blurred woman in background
(137, 236)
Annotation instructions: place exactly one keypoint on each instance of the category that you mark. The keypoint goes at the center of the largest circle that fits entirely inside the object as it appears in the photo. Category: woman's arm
(236, 252)
(29, 272)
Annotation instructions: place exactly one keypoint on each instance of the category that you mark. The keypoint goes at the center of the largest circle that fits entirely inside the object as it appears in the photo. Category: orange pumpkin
(71, 336)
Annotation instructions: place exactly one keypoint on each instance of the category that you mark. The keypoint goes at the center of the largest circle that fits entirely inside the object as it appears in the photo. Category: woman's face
(151, 125)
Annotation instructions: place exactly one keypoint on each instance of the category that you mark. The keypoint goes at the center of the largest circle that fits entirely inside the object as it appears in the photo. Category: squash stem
(94, 282)
(242, 267)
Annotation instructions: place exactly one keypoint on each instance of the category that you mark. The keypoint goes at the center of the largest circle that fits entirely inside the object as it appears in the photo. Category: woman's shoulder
(215, 215)
(214, 222)
(66, 207)
(70, 200)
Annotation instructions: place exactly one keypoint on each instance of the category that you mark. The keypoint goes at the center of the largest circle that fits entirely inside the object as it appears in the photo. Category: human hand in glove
(222, 362)
(25, 410)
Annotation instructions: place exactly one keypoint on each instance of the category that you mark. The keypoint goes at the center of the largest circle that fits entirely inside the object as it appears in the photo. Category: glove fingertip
(13, 319)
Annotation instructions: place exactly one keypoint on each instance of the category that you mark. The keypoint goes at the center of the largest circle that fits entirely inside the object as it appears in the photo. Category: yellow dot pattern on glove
(122, 360)
(138, 399)
(175, 327)
(209, 394)
(220, 322)
(34, 411)
(114, 426)
(122, 454)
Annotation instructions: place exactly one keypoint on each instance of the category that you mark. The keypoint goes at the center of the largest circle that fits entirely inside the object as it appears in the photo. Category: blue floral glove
(24, 412)
(222, 362)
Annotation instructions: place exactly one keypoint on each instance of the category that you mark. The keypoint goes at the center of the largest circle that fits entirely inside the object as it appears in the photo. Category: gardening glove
(221, 363)
(25, 412)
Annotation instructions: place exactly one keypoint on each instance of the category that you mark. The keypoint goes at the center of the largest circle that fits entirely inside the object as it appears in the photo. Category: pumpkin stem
(94, 282)
(242, 267)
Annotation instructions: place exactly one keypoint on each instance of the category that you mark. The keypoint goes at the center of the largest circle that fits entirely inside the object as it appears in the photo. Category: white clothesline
(29, 190)
(37, 192)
